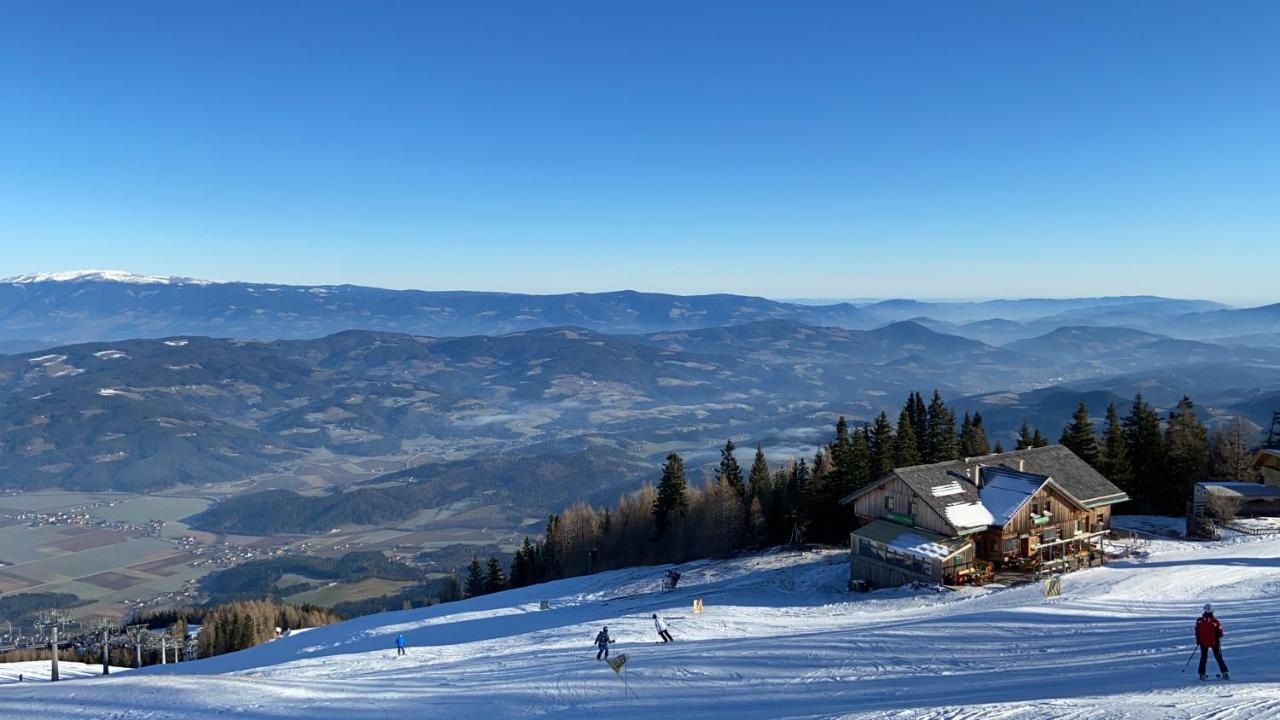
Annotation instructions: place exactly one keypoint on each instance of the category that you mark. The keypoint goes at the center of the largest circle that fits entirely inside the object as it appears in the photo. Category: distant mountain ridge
(45, 309)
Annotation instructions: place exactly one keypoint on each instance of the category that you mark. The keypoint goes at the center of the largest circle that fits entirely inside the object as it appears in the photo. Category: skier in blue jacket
(400, 644)
(602, 642)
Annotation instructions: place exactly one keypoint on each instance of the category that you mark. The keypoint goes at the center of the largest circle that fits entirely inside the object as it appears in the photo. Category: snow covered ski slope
(780, 638)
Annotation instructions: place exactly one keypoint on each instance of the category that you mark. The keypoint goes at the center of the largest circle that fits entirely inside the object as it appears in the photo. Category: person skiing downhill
(1209, 636)
(399, 645)
(602, 641)
(661, 626)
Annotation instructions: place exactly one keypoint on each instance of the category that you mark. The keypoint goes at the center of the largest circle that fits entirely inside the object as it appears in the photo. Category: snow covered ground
(779, 638)
(38, 671)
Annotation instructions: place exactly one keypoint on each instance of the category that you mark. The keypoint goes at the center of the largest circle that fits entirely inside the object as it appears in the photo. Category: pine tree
(1078, 437)
(1186, 457)
(980, 443)
(475, 578)
(522, 571)
(496, 579)
(729, 472)
(880, 448)
(1025, 438)
(999, 448)
(940, 443)
(671, 504)
(1038, 440)
(759, 473)
(860, 465)
(841, 454)
(1114, 459)
(1144, 446)
(905, 447)
(919, 415)
(548, 565)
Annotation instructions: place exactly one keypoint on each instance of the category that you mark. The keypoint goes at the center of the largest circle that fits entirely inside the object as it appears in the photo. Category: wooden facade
(893, 499)
(1048, 530)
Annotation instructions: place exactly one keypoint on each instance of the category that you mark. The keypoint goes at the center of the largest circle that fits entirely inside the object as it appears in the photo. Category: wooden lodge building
(1034, 510)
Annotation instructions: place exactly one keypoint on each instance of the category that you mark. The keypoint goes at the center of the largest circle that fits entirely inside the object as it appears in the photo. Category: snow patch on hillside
(780, 637)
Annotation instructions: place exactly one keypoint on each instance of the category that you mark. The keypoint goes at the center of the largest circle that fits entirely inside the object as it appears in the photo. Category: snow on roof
(945, 490)
(968, 516)
(910, 540)
(1004, 491)
(103, 276)
(1241, 489)
(913, 544)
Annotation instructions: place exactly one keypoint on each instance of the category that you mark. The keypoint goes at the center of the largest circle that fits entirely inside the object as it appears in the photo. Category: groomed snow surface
(780, 638)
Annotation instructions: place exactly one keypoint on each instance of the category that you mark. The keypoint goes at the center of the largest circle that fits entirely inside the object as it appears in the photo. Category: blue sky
(802, 149)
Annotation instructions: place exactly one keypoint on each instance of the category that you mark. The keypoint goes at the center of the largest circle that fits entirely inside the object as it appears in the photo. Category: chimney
(1022, 465)
(977, 476)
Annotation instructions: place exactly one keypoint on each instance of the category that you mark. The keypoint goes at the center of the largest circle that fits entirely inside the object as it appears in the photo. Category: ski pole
(1193, 654)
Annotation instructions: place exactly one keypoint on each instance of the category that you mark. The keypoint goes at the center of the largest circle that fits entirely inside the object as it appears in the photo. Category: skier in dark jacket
(602, 642)
(400, 644)
(1209, 636)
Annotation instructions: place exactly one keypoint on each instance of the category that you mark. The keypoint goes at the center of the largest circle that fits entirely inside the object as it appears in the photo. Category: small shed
(1249, 499)
(885, 554)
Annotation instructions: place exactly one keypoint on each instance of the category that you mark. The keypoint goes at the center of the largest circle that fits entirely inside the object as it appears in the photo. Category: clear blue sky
(785, 149)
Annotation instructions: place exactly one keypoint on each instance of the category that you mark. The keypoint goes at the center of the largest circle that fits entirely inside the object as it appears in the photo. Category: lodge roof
(948, 487)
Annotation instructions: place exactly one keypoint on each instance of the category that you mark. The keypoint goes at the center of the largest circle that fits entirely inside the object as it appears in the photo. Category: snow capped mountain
(780, 637)
(120, 276)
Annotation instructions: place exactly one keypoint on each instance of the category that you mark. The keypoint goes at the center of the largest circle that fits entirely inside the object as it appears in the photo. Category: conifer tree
(841, 452)
(1078, 437)
(1186, 457)
(999, 448)
(495, 579)
(522, 565)
(475, 578)
(981, 446)
(1144, 446)
(919, 424)
(1038, 440)
(1114, 460)
(860, 464)
(671, 504)
(973, 436)
(905, 447)
(729, 472)
(880, 448)
(940, 444)
(549, 567)
(759, 473)
(1025, 438)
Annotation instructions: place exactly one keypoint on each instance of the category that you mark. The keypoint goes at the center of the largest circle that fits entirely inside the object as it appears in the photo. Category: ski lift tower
(138, 635)
(107, 629)
(52, 620)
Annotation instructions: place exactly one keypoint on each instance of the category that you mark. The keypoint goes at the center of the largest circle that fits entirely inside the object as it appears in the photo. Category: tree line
(1158, 462)
(1155, 462)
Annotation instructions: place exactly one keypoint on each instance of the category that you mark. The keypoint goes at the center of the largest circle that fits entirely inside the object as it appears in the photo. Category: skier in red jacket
(1209, 635)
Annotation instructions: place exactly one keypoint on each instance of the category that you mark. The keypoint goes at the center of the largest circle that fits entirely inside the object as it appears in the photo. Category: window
(1079, 525)
(1047, 508)
(1035, 507)
(1100, 520)
(888, 503)
(911, 507)
(1010, 545)
(1049, 535)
